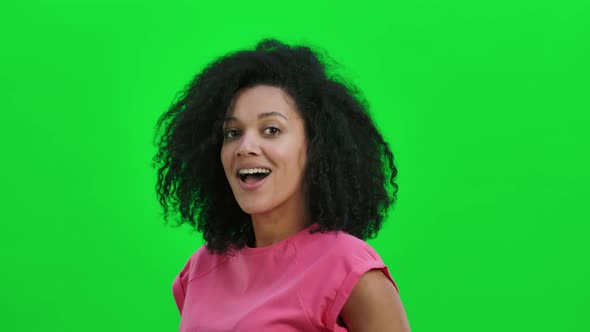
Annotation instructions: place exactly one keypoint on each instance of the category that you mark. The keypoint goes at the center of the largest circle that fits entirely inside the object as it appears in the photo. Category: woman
(281, 169)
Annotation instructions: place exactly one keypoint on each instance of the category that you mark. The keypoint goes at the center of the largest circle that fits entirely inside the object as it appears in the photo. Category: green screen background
(484, 105)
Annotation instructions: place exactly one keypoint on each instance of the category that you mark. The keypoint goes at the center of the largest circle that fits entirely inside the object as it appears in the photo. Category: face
(264, 133)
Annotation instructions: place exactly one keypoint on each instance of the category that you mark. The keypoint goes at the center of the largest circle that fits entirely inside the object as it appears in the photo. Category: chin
(255, 208)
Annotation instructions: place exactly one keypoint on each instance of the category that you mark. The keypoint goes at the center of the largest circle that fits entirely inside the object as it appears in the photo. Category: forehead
(261, 99)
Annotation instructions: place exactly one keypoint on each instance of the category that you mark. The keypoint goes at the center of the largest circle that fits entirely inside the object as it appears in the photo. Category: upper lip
(250, 165)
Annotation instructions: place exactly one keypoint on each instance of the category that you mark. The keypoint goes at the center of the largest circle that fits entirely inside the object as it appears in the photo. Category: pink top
(298, 284)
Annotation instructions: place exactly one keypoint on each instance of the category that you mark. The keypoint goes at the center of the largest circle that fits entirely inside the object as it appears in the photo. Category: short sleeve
(356, 270)
(179, 286)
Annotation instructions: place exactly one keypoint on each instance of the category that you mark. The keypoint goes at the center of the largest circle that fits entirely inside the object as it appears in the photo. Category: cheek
(302, 157)
(292, 159)
(295, 164)
(225, 159)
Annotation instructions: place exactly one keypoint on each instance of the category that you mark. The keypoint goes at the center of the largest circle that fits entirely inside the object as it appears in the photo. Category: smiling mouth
(252, 178)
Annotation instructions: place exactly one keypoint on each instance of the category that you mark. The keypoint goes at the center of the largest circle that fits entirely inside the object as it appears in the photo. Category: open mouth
(253, 178)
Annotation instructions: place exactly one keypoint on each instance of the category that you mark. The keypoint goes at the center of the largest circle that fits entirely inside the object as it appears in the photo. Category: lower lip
(251, 186)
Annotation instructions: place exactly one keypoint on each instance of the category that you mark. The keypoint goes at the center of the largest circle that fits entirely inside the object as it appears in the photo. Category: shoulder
(338, 245)
(334, 263)
(201, 262)
(374, 305)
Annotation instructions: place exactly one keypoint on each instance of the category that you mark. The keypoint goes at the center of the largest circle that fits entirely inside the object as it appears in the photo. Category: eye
(273, 131)
(229, 134)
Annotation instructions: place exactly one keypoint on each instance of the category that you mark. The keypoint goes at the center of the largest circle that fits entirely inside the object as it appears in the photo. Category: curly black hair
(349, 177)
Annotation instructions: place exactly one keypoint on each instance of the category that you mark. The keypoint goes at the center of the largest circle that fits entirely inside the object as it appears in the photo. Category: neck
(280, 223)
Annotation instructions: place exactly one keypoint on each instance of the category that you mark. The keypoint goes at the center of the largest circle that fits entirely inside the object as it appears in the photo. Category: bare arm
(374, 305)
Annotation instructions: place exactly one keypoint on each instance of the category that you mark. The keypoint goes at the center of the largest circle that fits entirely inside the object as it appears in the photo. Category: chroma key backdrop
(484, 105)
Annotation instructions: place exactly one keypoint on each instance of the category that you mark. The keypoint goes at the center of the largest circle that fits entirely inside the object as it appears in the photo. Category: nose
(248, 146)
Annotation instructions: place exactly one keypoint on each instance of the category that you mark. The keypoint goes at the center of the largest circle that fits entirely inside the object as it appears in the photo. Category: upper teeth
(253, 170)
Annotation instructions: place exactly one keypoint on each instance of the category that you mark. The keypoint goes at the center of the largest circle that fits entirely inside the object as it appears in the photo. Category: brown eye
(273, 131)
(229, 134)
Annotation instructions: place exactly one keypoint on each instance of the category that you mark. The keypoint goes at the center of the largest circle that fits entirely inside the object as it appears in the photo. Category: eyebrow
(260, 116)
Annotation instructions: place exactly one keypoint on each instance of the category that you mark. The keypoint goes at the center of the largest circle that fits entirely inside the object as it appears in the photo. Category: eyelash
(225, 133)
